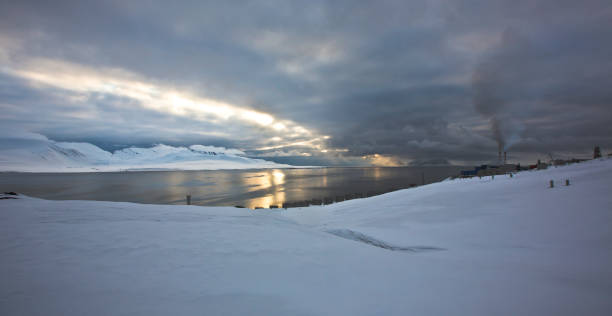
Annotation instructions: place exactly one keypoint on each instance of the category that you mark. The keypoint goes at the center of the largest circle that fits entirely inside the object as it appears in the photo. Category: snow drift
(503, 246)
(36, 153)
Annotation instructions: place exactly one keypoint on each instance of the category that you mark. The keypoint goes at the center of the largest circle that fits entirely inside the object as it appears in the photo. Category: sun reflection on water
(271, 181)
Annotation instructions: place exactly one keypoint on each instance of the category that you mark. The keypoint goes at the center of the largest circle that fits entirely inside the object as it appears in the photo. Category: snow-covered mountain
(36, 153)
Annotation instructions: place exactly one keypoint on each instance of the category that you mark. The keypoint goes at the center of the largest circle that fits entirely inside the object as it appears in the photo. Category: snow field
(507, 246)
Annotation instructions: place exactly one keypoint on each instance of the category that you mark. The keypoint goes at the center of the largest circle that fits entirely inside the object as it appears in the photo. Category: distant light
(279, 126)
(257, 117)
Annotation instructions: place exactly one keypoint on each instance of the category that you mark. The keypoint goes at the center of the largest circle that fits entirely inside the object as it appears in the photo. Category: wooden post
(188, 199)
(566, 182)
(552, 184)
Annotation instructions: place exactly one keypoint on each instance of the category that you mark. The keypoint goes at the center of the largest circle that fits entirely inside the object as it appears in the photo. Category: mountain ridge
(40, 154)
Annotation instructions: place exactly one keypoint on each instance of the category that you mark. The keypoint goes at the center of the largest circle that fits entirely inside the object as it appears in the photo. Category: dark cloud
(418, 80)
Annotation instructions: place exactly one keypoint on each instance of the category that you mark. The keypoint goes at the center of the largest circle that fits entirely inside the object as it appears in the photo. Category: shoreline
(252, 188)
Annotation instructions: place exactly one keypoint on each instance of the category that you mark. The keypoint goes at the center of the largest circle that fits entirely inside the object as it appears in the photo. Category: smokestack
(504, 157)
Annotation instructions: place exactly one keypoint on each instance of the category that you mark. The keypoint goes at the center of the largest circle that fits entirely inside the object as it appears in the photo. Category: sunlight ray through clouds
(85, 81)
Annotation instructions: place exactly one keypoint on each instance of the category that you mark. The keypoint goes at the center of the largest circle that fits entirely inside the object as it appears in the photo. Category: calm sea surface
(249, 188)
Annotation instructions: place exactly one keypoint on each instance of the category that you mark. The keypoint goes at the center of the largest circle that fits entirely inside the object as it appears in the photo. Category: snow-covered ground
(36, 153)
(503, 246)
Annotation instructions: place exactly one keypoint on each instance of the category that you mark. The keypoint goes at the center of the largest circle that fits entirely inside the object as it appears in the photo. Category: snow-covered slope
(503, 246)
(39, 154)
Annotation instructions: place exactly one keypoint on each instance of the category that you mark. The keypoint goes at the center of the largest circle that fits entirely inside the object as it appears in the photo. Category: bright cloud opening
(82, 82)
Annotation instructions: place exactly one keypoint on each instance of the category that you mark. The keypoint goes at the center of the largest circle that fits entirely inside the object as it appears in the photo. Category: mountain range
(36, 153)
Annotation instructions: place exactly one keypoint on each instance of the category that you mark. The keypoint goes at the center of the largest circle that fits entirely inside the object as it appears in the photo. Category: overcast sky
(333, 82)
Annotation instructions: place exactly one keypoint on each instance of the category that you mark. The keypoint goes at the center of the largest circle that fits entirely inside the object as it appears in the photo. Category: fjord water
(249, 188)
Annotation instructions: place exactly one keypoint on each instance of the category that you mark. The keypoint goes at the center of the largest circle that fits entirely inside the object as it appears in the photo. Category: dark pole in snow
(552, 184)
(188, 199)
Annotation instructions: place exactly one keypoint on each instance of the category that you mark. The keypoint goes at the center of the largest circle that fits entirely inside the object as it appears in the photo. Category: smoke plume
(495, 83)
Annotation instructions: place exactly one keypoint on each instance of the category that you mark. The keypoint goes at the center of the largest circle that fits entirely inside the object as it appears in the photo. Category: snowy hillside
(503, 246)
(39, 154)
